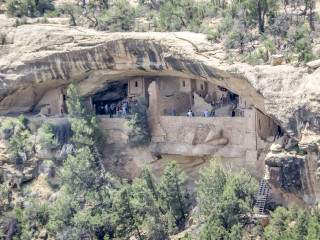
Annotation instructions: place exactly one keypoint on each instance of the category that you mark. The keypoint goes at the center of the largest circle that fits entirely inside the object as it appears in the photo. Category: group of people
(230, 96)
(120, 109)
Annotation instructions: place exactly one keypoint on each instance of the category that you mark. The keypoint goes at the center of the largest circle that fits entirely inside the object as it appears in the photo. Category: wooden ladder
(262, 195)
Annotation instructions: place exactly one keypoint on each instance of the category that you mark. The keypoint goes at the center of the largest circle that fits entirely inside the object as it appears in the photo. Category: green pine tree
(173, 194)
(210, 186)
(125, 215)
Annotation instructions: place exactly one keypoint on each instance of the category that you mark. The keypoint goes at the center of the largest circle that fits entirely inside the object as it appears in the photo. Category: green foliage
(186, 236)
(85, 200)
(136, 128)
(259, 56)
(225, 200)
(46, 136)
(30, 8)
(212, 36)
(84, 123)
(5, 198)
(210, 186)
(184, 14)
(226, 24)
(300, 41)
(118, 18)
(126, 217)
(296, 149)
(34, 218)
(173, 194)
(156, 219)
(151, 207)
(270, 48)
(72, 10)
(293, 224)
(239, 37)
(17, 136)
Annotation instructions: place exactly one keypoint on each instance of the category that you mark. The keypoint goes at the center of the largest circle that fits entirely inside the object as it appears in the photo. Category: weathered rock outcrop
(41, 57)
(294, 171)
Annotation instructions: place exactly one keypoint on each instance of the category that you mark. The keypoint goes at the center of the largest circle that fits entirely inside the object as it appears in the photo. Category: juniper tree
(210, 186)
(83, 176)
(172, 191)
(226, 201)
(125, 215)
(153, 217)
(150, 180)
(17, 138)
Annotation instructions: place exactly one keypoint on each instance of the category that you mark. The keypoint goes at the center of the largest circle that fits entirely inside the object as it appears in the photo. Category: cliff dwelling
(235, 130)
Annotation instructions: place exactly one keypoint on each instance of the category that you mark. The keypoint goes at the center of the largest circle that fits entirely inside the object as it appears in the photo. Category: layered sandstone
(43, 57)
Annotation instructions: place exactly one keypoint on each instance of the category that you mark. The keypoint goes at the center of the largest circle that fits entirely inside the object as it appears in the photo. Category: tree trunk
(261, 18)
(311, 18)
(73, 20)
(179, 196)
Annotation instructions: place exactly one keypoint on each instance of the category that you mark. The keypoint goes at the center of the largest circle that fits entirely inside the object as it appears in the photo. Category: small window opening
(183, 83)
(49, 111)
(136, 84)
(64, 97)
(201, 86)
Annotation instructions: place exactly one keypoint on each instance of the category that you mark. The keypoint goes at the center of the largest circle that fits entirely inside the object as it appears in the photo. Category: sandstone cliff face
(41, 57)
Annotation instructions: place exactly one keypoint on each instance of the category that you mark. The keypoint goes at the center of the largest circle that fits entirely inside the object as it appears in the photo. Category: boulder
(43, 234)
(66, 150)
(47, 169)
(313, 64)
(291, 142)
(276, 60)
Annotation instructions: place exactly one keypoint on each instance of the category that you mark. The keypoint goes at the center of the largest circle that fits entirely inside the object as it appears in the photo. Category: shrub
(226, 24)
(16, 23)
(46, 136)
(212, 36)
(44, 20)
(17, 137)
(31, 8)
(300, 40)
(24, 20)
(118, 18)
(257, 57)
(136, 129)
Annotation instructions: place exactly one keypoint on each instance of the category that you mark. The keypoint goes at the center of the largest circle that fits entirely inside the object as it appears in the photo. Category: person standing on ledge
(206, 113)
(111, 109)
(174, 112)
(189, 114)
